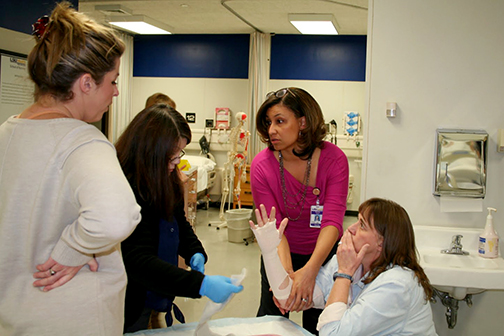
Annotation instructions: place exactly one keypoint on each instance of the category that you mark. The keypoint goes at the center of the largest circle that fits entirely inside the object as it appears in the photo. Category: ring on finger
(304, 300)
(52, 271)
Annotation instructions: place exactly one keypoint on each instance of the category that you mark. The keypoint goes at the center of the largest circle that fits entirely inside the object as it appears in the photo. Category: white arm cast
(268, 239)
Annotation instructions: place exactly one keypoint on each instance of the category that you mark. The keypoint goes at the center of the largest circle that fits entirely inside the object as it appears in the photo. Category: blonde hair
(160, 98)
(72, 45)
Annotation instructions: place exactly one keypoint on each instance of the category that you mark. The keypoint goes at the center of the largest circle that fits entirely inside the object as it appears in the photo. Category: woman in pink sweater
(306, 179)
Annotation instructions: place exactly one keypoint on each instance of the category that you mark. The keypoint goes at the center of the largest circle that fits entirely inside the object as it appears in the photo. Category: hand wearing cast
(301, 294)
(266, 227)
(197, 262)
(218, 288)
(268, 238)
(51, 274)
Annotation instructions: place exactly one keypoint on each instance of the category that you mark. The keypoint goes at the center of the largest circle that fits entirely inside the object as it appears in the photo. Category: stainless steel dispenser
(460, 163)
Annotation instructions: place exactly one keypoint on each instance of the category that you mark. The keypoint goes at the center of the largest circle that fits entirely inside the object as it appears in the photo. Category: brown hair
(144, 151)
(392, 222)
(302, 104)
(160, 98)
(72, 45)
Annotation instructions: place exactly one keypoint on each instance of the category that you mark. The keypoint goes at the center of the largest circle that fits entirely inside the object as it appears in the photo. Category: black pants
(267, 306)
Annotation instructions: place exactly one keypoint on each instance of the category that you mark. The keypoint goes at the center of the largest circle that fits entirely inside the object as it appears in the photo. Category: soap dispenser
(489, 240)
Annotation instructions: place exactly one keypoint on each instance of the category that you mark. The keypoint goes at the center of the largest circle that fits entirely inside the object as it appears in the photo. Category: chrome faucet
(456, 246)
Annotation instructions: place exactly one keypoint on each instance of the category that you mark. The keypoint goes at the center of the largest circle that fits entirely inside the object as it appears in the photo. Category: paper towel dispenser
(460, 163)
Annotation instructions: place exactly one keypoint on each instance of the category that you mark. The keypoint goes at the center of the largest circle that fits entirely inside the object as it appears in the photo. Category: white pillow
(200, 161)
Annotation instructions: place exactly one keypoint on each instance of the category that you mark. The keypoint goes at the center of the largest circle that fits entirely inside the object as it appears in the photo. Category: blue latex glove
(197, 262)
(218, 288)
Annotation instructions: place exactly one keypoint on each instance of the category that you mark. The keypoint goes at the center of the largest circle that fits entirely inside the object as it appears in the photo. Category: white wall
(203, 95)
(442, 62)
(15, 41)
(199, 95)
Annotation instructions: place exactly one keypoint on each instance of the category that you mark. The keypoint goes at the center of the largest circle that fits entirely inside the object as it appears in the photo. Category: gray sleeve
(108, 212)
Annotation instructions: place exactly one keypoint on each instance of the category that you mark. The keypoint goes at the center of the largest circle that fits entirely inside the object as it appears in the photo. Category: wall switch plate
(209, 123)
(190, 117)
(500, 141)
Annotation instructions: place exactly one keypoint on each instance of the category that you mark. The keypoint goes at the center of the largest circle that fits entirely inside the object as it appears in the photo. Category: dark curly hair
(303, 105)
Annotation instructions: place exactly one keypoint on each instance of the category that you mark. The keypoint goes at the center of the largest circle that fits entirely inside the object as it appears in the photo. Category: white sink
(457, 275)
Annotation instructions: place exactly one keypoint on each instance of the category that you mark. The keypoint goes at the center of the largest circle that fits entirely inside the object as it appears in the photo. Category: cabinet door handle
(248, 192)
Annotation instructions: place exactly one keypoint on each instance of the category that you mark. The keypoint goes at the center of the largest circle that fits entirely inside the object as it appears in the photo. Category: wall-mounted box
(460, 163)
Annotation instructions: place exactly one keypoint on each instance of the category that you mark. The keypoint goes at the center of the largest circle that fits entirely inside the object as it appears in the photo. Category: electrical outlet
(190, 117)
(209, 123)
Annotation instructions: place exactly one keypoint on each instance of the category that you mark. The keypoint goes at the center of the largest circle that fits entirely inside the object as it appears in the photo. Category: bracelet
(342, 275)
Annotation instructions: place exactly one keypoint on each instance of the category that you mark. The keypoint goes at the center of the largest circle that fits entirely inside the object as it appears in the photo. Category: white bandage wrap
(268, 239)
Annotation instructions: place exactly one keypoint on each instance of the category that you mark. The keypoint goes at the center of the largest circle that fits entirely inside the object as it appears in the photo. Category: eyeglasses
(280, 93)
(177, 158)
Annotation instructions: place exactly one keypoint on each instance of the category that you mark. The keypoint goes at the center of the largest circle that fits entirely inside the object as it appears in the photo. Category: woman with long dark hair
(149, 151)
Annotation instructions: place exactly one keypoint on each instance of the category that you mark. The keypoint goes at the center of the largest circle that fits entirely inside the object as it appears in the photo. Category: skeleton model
(237, 136)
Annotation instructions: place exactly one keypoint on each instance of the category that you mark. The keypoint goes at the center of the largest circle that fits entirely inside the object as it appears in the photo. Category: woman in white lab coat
(374, 285)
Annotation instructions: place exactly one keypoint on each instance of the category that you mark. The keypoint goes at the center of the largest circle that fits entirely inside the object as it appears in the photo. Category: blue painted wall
(20, 15)
(204, 56)
(297, 57)
(310, 57)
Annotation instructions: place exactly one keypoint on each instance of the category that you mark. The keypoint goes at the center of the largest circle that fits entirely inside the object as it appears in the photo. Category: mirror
(460, 167)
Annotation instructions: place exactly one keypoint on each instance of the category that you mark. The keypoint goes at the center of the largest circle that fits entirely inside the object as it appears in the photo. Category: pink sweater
(332, 180)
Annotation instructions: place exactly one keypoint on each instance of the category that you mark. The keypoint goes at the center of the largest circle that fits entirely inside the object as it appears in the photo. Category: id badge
(316, 216)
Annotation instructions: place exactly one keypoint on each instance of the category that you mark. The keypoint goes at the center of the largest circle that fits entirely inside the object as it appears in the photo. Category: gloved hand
(197, 262)
(218, 288)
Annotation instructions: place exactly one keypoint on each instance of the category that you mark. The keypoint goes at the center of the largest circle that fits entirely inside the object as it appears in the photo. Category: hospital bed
(206, 174)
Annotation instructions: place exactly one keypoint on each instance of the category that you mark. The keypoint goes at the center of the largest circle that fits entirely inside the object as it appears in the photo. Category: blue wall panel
(311, 57)
(20, 15)
(205, 56)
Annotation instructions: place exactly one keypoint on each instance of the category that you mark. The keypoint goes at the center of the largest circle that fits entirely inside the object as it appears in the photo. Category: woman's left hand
(301, 295)
(51, 274)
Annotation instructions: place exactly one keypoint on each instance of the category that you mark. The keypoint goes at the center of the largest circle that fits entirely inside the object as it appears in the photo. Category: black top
(146, 271)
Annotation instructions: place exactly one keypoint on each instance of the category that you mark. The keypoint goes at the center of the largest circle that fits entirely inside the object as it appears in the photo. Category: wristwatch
(342, 275)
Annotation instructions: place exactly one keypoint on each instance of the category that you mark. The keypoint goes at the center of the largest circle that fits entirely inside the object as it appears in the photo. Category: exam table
(250, 326)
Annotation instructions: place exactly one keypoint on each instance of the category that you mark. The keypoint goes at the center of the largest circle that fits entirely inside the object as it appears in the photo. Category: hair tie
(39, 27)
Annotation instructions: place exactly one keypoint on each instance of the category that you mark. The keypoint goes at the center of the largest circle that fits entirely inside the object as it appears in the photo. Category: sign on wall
(16, 89)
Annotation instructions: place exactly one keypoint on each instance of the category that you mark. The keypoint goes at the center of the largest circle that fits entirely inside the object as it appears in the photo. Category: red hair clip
(40, 26)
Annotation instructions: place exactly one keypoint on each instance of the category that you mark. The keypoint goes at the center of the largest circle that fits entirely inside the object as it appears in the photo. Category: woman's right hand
(51, 274)
(267, 235)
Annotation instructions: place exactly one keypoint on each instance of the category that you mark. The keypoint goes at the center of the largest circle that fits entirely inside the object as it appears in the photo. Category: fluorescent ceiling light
(314, 24)
(140, 24)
